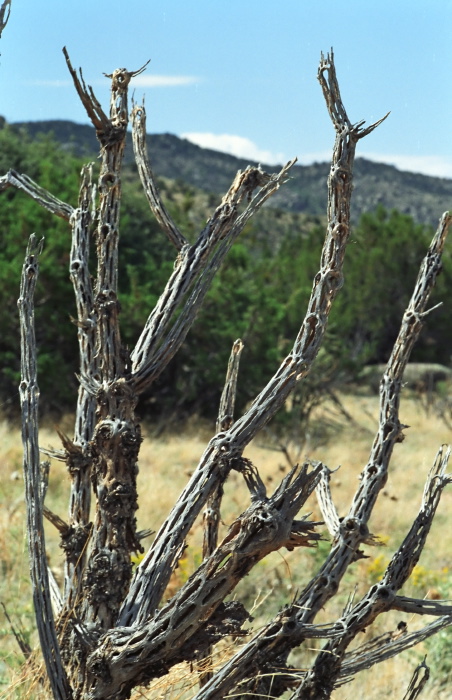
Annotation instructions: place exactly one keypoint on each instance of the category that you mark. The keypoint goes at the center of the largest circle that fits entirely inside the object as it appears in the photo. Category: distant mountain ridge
(423, 197)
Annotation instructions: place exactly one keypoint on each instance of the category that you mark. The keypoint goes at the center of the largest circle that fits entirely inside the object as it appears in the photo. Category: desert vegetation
(119, 617)
(168, 461)
(263, 302)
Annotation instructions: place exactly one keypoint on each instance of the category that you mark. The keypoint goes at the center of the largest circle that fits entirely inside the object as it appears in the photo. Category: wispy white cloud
(315, 157)
(436, 166)
(153, 81)
(145, 81)
(50, 83)
(238, 146)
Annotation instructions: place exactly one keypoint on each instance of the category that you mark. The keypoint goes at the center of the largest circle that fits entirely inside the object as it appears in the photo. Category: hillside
(260, 293)
(422, 197)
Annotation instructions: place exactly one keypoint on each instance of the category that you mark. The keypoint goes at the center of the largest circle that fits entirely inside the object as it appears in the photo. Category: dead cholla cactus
(107, 630)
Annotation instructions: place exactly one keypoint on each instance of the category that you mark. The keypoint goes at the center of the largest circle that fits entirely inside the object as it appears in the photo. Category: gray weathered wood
(158, 208)
(381, 597)
(325, 499)
(5, 11)
(29, 399)
(353, 530)
(113, 631)
(195, 268)
(77, 451)
(267, 525)
(39, 194)
(212, 514)
(417, 682)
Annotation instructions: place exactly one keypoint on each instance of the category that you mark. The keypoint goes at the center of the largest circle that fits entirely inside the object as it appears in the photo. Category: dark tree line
(257, 295)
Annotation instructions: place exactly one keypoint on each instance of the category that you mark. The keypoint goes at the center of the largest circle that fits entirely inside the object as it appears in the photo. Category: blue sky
(240, 75)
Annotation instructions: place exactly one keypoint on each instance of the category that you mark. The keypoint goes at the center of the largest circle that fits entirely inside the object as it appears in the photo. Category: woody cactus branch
(267, 525)
(40, 195)
(77, 451)
(353, 529)
(106, 405)
(326, 503)
(320, 682)
(225, 418)
(212, 515)
(29, 398)
(394, 644)
(417, 681)
(226, 446)
(5, 11)
(148, 181)
(197, 265)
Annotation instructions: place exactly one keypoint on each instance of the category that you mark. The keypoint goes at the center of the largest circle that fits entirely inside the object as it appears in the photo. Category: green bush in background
(259, 295)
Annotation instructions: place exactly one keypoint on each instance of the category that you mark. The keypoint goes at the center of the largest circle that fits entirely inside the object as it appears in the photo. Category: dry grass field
(165, 464)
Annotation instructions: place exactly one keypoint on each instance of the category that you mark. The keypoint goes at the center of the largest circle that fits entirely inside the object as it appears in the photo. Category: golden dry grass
(165, 465)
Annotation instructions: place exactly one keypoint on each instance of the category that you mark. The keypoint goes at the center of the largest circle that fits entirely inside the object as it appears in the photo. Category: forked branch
(353, 530)
(419, 679)
(194, 271)
(266, 526)
(154, 571)
(92, 106)
(381, 597)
